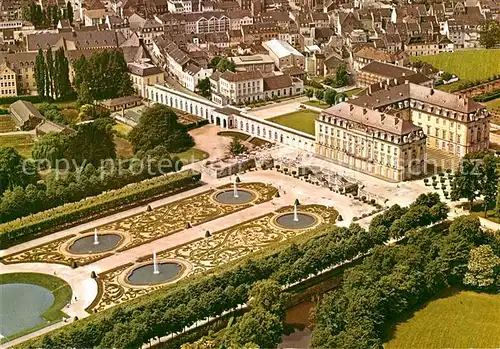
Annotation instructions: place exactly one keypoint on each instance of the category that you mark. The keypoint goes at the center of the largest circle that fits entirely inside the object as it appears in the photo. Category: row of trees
(170, 310)
(52, 74)
(477, 176)
(58, 189)
(398, 279)
(329, 96)
(105, 75)
(48, 16)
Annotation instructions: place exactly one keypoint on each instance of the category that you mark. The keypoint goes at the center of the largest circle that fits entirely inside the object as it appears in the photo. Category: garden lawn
(59, 288)
(7, 124)
(23, 143)
(317, 104)
(122, 129)
(301, 120)
(463, 319)
(234, 134)
(468, 64)
(493, 105)
(191, 155)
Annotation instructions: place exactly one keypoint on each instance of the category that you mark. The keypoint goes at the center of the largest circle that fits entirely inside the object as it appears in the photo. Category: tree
(204, 87)
(213, 63)
(488, 181)
(61, 82)
(226, 64)
(158, 125)
(14, 170)
(236, 147)
(267, 295)
(446, 76)
(483, 269)
(104, 76)
(329, 96)
(489, 35)
(50, 72)
(309, 93)
(260, 327)
(40, 74)
(50, 147)
(69, 12)
(319, 94)
(469, 227)
(91, 143)
(466, 181)
(341, 76)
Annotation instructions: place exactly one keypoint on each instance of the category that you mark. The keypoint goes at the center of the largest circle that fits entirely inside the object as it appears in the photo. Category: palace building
(386, 132)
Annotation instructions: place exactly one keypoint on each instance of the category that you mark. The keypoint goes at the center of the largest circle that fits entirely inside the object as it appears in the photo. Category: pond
(21, 306)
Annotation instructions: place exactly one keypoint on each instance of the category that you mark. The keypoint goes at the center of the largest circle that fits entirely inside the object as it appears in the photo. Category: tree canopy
(105, 75)
(489, 35)
(158, 125)
(15, 170)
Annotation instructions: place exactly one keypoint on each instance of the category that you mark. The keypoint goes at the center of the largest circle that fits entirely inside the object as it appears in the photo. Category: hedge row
(10, 100)
(32, 226)
(487, 96)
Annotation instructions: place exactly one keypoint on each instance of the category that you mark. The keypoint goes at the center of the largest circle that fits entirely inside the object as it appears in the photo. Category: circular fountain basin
(22, 306)
(227, 197)
(144, 275)
(305, 220)
(86, 244)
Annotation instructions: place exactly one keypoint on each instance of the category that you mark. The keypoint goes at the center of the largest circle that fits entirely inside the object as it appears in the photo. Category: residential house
(142, 74)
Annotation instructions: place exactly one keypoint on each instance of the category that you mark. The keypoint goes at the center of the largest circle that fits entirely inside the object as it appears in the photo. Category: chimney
(395, 81)
(382, 117)
(404, 74)
(370, 90)
(396, 121)
(364, 111)
(432, 91)
(407, 82)
(351, 107)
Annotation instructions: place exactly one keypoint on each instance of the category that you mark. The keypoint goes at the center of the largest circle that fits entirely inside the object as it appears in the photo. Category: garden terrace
(145, 227)
(222, 247)
(60, 217)
(22, 143)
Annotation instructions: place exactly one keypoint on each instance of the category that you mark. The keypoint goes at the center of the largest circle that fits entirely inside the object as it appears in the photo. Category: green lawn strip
(467, 64)
(191, 155)
(317, 104)
(455, 319)
(301, 120)
(234, 134)
(60, 289)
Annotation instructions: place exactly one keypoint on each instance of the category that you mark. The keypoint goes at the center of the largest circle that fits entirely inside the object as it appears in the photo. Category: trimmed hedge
(32, 226)
(10, 100)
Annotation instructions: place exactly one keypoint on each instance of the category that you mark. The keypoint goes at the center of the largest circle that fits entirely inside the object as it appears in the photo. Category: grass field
(317, 104)
(461, 319)
(23, 143)
(301, 120)
(467, 64)
(59, 288)
(191, 155)
(122, 129)
(493, 105)
(6, 124)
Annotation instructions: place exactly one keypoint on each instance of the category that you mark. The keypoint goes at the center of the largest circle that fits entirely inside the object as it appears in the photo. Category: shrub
(434, 178)
(448, 170)
(372, 201)
(426, 181)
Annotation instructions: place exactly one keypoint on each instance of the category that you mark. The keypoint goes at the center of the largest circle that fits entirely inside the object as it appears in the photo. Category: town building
(8, 81)
(143, 73)
(375, 72)
(371, 141)
(284, 55)
(452, 123)
(260, 62)
(25, 115)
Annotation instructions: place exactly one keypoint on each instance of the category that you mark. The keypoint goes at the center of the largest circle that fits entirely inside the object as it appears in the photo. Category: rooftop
(281, 48)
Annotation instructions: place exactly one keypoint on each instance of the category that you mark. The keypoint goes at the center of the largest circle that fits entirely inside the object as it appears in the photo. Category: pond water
(21, 306)
(144, 275)
(86, 244)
